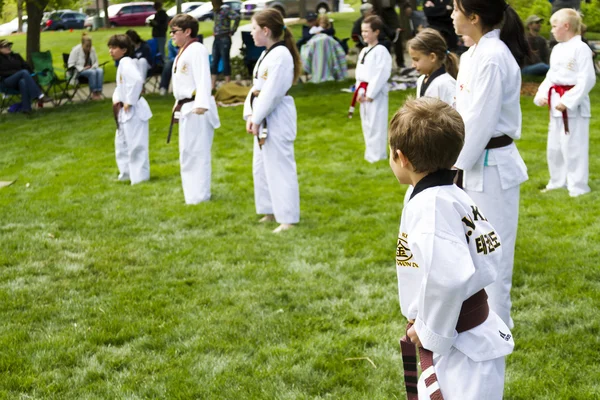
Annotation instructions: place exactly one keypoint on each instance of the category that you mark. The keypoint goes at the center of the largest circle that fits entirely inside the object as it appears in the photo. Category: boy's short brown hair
(121, 42)
(186, 21)
(428, 132)
(571, 17)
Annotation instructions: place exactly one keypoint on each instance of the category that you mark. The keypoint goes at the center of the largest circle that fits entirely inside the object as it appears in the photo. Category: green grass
(118, 292)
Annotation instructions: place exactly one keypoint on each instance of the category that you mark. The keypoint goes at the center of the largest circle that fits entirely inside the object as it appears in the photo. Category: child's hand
(368, 99)
(561, 107)
(200, 111)
(249, 124)
(126, 107)
(255, 128)
(412, 335)
(543, 102)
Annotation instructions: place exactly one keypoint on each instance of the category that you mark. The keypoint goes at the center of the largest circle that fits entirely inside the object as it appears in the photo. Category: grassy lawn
(118, 292)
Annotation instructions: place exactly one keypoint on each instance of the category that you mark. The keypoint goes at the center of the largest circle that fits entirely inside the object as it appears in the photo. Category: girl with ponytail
(488, 99)
(438, 66)
(270, 115)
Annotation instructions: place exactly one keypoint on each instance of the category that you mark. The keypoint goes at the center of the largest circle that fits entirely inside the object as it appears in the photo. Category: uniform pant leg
(262, 197)
(557, 166)
(136, 134)
(576, 154)
(282, 178)
(195, 142)
(374, 123)
(121, 154)
(501, 208)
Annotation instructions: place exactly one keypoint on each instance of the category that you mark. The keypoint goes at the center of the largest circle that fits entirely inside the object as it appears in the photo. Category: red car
(130, 14)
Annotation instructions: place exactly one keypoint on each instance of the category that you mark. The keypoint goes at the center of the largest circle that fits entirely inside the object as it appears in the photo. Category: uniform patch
(403, 253)
(265, 74)
(120, 78)
(505, 336)
(571, 65)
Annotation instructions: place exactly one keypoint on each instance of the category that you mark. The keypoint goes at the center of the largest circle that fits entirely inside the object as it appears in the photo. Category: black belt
(175, 120)
(498, 142)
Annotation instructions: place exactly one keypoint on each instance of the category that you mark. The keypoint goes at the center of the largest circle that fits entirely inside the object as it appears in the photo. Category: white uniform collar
(576, 38)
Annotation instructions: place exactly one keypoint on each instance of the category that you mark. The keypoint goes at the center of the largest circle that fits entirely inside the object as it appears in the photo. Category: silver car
(288, 8)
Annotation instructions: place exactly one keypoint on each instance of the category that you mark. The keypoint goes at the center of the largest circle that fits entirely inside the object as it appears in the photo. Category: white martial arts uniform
(487, 98)
(131, 140)
(447, 251)
(439, 86)
(274, 166)
(191, 77)
(568, 155)
(374, 67)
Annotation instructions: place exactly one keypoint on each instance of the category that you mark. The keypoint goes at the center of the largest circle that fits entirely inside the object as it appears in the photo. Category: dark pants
(23, 82)
(161, 42)
(165, 78)
(220, 50)
(390, 19)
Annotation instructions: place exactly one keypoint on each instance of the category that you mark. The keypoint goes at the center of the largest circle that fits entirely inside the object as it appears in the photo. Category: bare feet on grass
(283, 227)
(267, 218)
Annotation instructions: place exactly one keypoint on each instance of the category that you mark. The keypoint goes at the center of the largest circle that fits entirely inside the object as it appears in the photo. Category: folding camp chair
(250, 51)
(155, 71)
(52, 86)
(76, 83)
(8, 97)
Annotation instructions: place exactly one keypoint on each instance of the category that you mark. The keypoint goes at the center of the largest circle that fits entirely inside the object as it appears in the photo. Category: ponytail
(451, 64)
(291, 45)
(272, 19)
(492, 13)
(513, 35)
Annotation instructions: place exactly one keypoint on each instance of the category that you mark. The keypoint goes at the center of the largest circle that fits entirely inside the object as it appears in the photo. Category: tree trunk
(35, 12)
(20, 15)
(106, 21)
(178, 3)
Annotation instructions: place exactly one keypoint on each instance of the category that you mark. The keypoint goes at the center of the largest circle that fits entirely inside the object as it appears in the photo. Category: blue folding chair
(155, 72)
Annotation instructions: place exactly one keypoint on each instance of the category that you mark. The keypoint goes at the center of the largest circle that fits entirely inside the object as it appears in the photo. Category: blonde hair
(85, 38)
(323, 21)
(428, 132)
(569, 16)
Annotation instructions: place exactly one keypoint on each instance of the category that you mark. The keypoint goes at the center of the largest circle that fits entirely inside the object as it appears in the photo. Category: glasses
(174, 31)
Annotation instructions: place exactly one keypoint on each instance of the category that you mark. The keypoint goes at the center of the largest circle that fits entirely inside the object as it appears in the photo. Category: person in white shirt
(488, 100)
(132, 114)
(447, 254)
(373, 69)
(270, 115)
(195, 109)
(569, 81)
(84, 59)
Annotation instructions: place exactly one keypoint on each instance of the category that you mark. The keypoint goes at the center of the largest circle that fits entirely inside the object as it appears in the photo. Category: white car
(205, 11)
(11, 27)
(186, 8)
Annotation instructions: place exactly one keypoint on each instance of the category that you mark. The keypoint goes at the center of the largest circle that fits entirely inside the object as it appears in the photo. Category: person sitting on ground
(537, 62)
(15, 74)
(141, 53)
(84, 59)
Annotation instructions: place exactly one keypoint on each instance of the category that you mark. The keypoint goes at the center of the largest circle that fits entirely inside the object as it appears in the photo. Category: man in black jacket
(438, 13)
(160, 24)
(386, 9)
(15, 74)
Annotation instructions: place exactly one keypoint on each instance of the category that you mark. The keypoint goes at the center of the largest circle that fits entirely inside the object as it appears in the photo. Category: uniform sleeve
(201, 77)
(132, 84)
(542, 92)
(448, 93)
(481, 114)
(116, 97)
(448, 268)
(272, 92)
(380, 74)
(586, 79)
(247, 106)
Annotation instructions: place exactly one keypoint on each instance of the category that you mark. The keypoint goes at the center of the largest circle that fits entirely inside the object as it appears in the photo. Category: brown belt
(474, 312)
(262, 136)
(498, 142)
(175, 120)
(116, 108)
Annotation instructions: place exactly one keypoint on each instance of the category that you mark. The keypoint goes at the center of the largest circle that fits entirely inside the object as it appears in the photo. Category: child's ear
(402, 159)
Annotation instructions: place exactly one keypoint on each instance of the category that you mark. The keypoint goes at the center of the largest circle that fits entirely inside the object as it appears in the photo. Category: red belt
(474, 312)
(362, 85)
(560, 89)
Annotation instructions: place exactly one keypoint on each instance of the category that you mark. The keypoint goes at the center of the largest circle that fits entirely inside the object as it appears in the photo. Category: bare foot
(267, 218)
(283, 227)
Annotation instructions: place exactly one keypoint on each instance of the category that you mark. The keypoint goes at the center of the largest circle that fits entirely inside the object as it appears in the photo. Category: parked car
(11, 27)
(131, 14)
(63, 19)
(185, 9)
(205, 11)
(288, 8)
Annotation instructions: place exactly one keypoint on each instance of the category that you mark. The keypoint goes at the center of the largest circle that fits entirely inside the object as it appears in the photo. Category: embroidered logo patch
(505, 336)
(265, 74)
(184, 68)
(403, 253)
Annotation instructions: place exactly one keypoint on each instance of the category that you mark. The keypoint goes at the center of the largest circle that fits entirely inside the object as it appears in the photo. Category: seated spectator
(537, 62)
(141, 53)
(167, 71)
(83, 57)
(416, 19)
(324, 59)
(311, 22)
(15, 74)
(386, 37)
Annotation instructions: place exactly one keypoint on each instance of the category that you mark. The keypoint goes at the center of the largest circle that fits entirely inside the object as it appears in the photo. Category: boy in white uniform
(447, 254)
(195, 109)
(131, 112)
(566, 90)
(373, 70)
